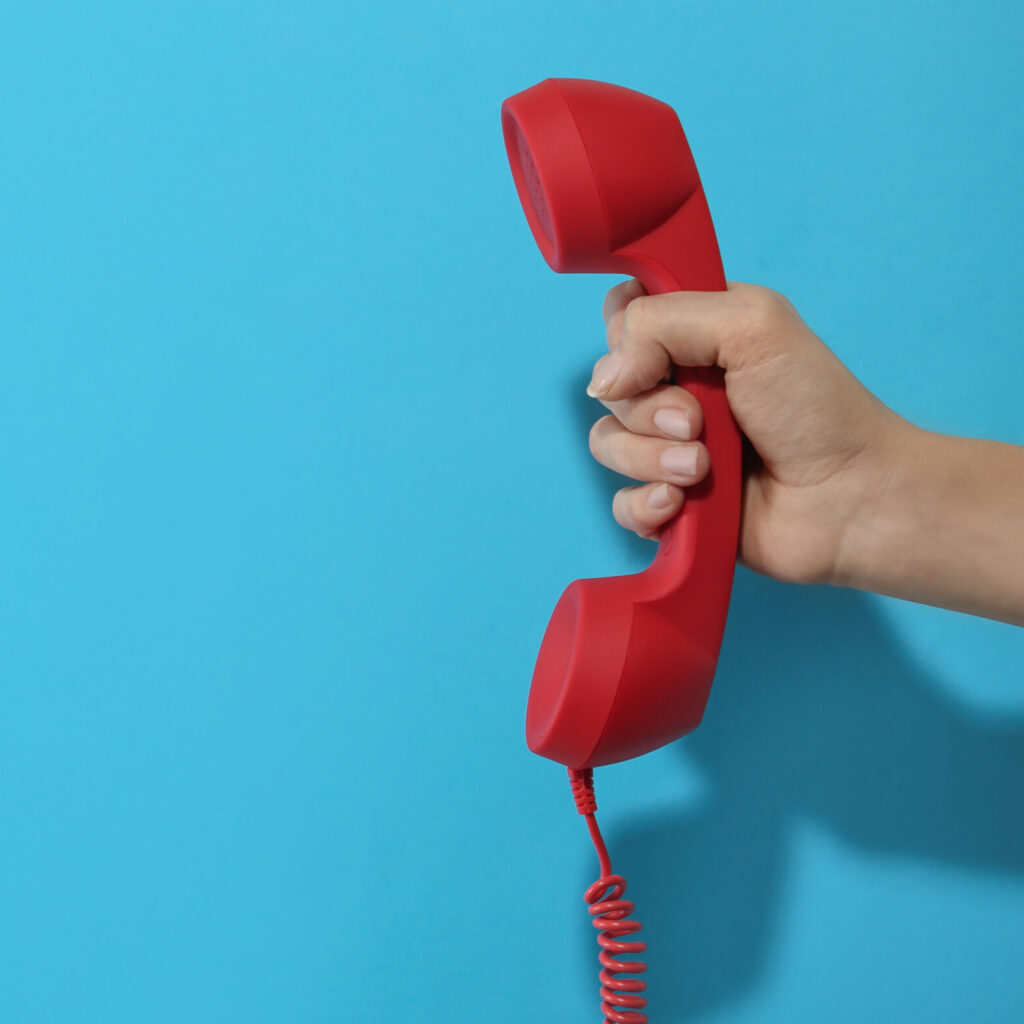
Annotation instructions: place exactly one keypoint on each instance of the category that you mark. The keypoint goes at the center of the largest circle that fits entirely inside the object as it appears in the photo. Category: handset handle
(691, 575)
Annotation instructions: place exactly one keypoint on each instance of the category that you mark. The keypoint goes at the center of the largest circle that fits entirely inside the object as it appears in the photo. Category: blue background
(294, 467)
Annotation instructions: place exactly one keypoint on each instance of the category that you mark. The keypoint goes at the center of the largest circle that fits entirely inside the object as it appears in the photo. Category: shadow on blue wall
(817, 713)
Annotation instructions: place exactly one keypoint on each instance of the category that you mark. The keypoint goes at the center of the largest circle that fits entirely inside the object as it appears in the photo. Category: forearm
(946, 527)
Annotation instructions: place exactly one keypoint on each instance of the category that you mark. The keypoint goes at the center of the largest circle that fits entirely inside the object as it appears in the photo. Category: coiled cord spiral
(621, 1002)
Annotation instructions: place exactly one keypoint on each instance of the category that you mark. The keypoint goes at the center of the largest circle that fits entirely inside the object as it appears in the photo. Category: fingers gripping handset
(609, 185)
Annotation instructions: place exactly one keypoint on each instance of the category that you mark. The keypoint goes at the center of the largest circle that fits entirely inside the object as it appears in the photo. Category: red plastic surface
(609, 185)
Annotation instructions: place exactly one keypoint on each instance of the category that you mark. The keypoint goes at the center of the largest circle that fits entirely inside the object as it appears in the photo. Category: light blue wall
(294, 466)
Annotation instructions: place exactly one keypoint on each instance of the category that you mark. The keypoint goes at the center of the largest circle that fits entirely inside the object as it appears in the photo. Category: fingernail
(680, 459)
(673, 422)
(660, 497)
(605, 372)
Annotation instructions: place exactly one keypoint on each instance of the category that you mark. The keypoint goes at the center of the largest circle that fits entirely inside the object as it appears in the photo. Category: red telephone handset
(609, 185)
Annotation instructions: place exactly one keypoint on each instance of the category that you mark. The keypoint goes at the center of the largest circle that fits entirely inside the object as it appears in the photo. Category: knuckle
(621, 508)
(597, 433)
(688, 401)
(617, 295)
(762, 310)
(636, 320)
(645, 515)
(703, 461)
(613, 328)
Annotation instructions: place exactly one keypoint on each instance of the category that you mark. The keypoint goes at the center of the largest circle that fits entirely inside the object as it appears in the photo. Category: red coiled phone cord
(621, 1002)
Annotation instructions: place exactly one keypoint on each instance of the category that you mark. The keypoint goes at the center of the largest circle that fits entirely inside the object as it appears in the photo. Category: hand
(823, 446)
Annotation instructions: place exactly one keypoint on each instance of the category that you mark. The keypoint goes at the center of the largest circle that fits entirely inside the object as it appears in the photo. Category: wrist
(895, 501)
(940, 525)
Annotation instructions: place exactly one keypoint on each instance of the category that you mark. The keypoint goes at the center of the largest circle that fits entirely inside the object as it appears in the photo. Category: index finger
(685, 328)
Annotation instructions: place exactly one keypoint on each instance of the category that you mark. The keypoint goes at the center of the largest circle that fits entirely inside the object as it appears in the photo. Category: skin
(840, 489)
